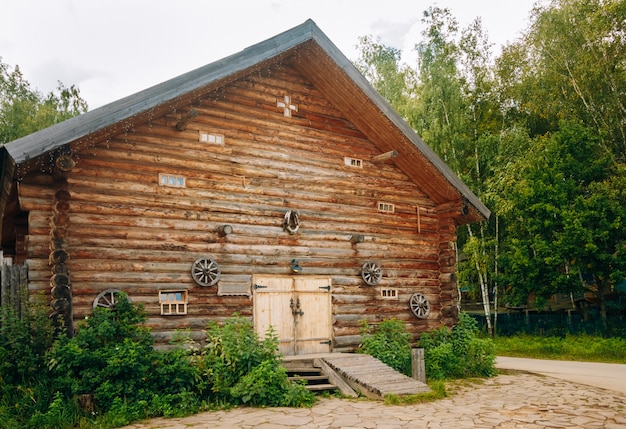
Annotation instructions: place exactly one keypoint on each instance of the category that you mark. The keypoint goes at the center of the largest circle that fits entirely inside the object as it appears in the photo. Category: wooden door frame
(256, 280)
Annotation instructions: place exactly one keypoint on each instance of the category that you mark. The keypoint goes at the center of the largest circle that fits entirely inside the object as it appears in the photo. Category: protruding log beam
(224, 230)
(182, 124)
(65, 162)
(385, 156)
(357, 238)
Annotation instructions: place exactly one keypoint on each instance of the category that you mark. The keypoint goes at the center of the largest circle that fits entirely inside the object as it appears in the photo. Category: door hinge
(325, 287)
(328, 343)
(256, 286)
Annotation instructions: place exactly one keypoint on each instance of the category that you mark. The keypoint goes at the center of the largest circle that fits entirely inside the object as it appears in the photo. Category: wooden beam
(385, 156)
(356, 238)
(182, 124)
(335, 378)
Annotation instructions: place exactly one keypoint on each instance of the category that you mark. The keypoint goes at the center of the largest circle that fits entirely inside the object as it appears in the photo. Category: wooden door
(297, 309)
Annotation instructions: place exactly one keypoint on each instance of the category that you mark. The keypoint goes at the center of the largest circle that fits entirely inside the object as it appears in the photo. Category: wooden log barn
(274, 183)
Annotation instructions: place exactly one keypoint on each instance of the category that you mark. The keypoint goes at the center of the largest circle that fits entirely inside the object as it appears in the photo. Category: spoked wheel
(108, 298)
(420, 306)
(205, 271)
(371, 273)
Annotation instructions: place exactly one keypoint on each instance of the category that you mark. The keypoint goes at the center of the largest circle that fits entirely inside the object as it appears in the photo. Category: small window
(206, 137)
(173, 302)
(353, 162)
(171, 180)
(386, 207)
(389, 293)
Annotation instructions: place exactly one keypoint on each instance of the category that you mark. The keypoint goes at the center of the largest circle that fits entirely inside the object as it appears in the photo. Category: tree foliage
(537, 132)
(24, 110)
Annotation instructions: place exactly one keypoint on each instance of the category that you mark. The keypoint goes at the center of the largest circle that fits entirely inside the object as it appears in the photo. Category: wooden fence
(13, 286)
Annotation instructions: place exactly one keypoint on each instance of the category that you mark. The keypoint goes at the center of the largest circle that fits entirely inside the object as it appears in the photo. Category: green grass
(437, 391)
(575, 348)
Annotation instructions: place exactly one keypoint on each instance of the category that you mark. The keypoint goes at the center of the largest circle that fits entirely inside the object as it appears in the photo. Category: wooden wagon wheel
(108, 298)
(205, 271)
(371, 273)
(420, 306)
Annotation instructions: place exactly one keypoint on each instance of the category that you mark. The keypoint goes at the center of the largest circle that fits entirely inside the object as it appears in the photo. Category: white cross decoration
(287, 106)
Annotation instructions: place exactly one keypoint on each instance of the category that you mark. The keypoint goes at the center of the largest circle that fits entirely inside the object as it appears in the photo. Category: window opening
(353, 162)
(386, 207)
(173, 302)
(389, 293)
(171, 180)
(206, 137)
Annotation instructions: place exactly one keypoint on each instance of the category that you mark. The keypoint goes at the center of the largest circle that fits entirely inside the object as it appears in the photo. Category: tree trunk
(483, 288)
(495, 287)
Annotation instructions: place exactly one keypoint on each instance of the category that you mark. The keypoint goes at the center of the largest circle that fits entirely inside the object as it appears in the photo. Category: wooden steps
(352, 374)
(313, 376)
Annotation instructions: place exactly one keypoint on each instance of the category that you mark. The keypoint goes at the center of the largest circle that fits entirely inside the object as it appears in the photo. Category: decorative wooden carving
(287, 106)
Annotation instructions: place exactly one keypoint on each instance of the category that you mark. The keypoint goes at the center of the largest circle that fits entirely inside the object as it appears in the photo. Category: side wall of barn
(243, 162)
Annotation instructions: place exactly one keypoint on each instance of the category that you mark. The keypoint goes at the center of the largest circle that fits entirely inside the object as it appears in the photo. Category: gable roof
(317, 58)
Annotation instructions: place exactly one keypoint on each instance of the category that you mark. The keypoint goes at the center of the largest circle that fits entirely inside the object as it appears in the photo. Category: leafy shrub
(244, 369)
(112, 358)
(268, 385)
(25, 384)
(458, 353)
(390, 343)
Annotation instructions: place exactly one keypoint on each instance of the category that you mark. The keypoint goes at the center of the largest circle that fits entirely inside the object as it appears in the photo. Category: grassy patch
(437, 391)
(576, 348)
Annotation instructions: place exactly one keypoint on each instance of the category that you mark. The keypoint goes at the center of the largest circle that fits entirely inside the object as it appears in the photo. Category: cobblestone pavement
(512, 400)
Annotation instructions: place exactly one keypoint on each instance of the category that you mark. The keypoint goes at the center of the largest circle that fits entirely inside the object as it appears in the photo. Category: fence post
(417, 364)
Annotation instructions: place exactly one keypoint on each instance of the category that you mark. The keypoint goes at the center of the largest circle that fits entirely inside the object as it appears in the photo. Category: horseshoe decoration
(420, 306)
(205, 271)
(291, 223)
(371, 273)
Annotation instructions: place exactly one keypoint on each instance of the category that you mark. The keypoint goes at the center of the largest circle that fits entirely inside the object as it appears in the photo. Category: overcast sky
(114, 48)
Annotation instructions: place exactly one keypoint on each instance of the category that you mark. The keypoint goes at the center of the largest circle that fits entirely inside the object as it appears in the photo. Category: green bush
(390, 343)
(268, 385)
(112, 358)
(25, 384)
(244, 369)
(458, 353)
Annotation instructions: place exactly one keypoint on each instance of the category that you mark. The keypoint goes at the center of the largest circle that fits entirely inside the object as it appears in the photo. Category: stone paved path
(521, 400)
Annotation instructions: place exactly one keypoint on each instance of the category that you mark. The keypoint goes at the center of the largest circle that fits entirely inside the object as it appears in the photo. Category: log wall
(125, 231)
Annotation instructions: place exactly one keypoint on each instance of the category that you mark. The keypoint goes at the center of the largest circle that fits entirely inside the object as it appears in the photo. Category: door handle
(297, 310)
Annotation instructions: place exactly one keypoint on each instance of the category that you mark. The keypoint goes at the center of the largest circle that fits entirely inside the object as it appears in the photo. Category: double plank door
(298, 309)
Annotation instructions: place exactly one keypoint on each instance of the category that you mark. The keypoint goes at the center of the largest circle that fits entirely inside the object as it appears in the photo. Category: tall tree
(24, 110)
(564, 202)
(382, 66)
(570, 65)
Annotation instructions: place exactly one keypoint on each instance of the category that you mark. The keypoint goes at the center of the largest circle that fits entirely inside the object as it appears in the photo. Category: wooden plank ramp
(372, 378)
(352, 373)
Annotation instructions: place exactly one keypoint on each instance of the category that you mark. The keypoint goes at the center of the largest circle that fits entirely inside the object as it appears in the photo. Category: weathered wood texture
(122, 230)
